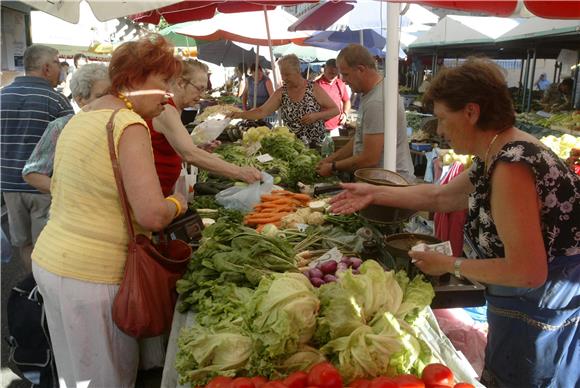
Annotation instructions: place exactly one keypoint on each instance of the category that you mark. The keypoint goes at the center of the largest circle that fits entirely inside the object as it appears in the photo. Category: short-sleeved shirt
(41, 160)
(337, 91)
(262, 94)
(558, 189)
(371, 121)
(86, 237)
(27, 106)
(293, 111)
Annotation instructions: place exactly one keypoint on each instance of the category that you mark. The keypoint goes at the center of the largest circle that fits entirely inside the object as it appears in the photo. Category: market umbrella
(228, 53)
(69, 10)
(306, 53)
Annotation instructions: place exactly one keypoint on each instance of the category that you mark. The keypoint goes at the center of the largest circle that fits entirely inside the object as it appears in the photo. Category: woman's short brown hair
(479, 81)
(133, 62)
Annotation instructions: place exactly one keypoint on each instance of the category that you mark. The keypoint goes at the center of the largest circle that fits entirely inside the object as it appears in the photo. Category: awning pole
(272, 59)
(391, 86)
(256, 65)
(531, 82)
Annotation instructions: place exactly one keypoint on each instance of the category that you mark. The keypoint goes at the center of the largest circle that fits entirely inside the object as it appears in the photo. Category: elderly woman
(523, 209)
(79, 259)
(171, 141)
(87, 84)
(304, 104)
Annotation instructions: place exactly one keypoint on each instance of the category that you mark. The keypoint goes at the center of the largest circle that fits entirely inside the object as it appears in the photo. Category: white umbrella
(69, 10)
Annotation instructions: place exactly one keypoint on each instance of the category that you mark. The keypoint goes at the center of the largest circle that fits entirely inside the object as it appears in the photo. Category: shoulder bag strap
(118, 178)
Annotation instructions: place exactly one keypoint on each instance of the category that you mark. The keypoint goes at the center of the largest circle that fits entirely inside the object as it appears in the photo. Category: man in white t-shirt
(358, 69)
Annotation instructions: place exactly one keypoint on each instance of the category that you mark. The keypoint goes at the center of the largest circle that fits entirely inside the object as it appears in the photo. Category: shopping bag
(245, 198)
(186, 181)
(208, 131)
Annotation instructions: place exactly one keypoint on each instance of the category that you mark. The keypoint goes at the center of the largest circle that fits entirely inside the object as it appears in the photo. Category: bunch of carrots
(273, 207)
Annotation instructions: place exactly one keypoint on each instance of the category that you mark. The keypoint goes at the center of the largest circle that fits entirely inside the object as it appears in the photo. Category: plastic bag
(208, 131)
(245, 198)
(186, 181)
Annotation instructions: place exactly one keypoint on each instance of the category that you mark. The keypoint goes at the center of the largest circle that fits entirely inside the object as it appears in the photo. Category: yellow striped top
(85, 237)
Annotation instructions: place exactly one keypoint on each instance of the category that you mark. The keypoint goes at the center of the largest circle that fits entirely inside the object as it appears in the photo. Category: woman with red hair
(79, 259)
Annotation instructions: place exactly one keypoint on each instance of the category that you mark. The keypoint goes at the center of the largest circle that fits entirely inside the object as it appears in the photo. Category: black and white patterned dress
(292, 113)
(558, 189)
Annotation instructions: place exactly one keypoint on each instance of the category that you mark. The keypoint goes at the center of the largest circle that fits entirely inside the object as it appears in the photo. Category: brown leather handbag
(144, 304)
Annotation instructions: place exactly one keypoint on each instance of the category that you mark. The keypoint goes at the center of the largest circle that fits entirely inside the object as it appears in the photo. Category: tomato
(324, 375)
(360, 383)
(463, 385)
(274, 384)
(409, 381)
(296, 380)
(434, 374)
(220, 382)
(383, 382)
(242, 382)
(259, 381)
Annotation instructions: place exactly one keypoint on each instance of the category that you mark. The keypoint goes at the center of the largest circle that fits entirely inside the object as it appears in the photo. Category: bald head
(358, 68)
(354, 55)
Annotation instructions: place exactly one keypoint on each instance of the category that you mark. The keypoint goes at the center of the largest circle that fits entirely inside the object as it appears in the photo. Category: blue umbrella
(337, 40)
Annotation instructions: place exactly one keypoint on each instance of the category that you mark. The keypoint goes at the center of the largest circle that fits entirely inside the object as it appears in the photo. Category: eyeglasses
(198, 88)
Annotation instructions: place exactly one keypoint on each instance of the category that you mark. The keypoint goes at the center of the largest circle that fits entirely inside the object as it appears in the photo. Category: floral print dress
(293, 111)
(533, 332)
(558, 189)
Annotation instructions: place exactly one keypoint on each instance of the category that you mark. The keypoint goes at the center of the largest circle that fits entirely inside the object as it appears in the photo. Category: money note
(444, 248)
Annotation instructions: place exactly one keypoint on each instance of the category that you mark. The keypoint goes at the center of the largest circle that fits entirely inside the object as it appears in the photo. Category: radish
(355, 262)
(316, 273)
(329, 278)
(317, 282)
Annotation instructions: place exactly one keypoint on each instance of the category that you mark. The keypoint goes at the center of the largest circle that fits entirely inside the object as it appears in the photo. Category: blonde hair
(290, 62)
(355, 54)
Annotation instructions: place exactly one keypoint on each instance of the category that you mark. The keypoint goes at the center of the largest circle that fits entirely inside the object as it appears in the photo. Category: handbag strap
(118, 177)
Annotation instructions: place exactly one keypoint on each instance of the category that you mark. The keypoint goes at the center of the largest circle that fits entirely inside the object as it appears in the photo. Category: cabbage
(355, 299)
(303, 359)
(418, 295)
(281, 315)
(204, 353)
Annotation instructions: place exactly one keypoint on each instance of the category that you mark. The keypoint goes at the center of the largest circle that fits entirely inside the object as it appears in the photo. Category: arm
(515, 211)
(327, 105)
(245, 96)
(141, 183)
(440, 198)
(269, 107)
(169, 124)
(40, 182)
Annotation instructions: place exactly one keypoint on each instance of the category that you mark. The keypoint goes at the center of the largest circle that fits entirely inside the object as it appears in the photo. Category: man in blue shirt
(27, 105)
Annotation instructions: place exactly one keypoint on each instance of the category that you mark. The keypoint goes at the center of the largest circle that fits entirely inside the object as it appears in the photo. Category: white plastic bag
(245, 198)
(186, 181)
(208, 131)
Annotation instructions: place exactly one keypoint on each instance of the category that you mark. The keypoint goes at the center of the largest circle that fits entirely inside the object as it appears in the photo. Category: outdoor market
(290, 193)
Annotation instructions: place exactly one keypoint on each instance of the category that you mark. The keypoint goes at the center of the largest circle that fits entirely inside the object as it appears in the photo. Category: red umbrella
(199, 10)
(554, 9)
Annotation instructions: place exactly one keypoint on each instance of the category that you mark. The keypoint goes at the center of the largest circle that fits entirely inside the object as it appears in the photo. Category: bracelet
(457, 268)
(177, 205)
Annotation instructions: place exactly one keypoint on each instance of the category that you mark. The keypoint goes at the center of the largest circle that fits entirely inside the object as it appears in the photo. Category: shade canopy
(249, 29)
(230, 54)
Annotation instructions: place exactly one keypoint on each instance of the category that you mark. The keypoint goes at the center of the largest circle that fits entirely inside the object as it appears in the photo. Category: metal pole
(256, 65)
(433, 64)
(555, 71)
(272, 59)
(525, 85)
(390, 87)
(531, 82)
(521, 75)
(575, 89)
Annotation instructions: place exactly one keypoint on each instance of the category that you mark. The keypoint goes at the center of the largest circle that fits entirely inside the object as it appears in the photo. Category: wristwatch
(333, 168)
(457, 268)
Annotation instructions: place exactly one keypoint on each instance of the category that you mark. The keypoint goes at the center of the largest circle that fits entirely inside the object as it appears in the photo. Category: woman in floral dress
(523, 216)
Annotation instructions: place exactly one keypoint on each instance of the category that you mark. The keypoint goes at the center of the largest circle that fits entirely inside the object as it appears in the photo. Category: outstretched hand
(355, 197)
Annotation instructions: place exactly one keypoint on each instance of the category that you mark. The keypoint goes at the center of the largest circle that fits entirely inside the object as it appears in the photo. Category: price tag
(264, 158)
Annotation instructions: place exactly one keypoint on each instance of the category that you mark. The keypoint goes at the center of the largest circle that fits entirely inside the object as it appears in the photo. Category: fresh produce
(256, 134)
(437, 374)
(327, 271)
(215, 111)
(274, 207)
(325, 375)
(561, 145)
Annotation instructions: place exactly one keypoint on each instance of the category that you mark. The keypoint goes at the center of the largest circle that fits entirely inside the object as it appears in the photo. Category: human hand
(182, 202)
(432, 263)
(210, 146)
(342, 119)
(308, 119)
(356, 196)
(249, 174)
(235, 115)
(324, 169)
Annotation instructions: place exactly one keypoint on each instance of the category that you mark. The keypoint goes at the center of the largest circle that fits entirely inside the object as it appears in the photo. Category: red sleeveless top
(167, 161)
